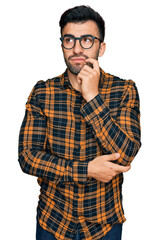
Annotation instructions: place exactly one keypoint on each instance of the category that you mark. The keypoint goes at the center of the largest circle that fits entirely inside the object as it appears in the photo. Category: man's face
(75, 57)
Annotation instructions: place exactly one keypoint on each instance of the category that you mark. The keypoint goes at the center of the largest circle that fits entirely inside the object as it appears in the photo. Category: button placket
(80, 202)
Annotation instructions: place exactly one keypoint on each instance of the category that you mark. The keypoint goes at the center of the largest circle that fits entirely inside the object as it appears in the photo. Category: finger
(85, 71)
(82, 75)
(86, 68)
(94, 62)
(119, 168)
(79, 79)
(111, 157)
(89, 64)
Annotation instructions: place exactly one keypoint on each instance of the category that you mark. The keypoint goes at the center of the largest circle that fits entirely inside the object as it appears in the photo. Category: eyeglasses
(86, 41)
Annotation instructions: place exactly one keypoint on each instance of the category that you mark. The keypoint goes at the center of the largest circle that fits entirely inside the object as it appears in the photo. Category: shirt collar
(65, 82)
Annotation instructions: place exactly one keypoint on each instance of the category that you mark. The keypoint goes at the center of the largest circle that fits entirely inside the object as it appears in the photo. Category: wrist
(89, 97)
(89, 170)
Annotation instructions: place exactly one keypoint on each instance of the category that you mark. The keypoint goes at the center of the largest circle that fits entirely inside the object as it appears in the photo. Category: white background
(29, 51)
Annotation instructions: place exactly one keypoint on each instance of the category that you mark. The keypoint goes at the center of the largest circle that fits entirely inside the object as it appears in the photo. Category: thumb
(79, 80)
(111, 157)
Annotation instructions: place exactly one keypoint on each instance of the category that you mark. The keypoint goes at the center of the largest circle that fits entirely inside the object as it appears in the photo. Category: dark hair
(83, 14)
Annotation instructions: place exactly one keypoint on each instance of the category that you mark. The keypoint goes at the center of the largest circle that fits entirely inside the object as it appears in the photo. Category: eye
(68, 40)
(87, 39)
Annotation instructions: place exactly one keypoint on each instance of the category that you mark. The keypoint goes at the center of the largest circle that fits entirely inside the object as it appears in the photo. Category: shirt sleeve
(33, 156)
(120, 134)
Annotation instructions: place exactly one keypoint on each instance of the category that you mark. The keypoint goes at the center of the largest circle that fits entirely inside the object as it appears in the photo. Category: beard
(75, 69)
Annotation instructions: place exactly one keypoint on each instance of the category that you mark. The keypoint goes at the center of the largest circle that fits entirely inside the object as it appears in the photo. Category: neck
(73, 80)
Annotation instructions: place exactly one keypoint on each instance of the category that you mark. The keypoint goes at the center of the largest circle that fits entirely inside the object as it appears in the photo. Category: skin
(86, 80)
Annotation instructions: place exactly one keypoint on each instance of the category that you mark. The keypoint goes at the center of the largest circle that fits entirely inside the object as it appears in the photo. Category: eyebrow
(68, 35)
(71, 35)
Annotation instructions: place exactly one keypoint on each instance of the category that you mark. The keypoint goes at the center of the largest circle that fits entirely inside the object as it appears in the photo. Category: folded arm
(33, 156)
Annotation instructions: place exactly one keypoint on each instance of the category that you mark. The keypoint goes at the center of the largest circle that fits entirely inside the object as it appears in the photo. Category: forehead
(81, 28)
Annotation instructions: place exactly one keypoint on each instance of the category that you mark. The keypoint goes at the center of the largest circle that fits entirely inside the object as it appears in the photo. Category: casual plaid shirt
(60, 134)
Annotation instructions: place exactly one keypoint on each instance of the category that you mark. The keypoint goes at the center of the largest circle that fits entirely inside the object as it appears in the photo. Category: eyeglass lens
(85, 41)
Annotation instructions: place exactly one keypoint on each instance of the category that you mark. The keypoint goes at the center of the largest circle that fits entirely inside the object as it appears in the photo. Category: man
(80, 133)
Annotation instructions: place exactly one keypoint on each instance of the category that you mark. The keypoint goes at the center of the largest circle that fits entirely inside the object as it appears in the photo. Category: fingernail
(117, 155)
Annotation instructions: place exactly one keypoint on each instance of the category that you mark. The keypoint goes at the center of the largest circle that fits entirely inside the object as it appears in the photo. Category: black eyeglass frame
(79, 38)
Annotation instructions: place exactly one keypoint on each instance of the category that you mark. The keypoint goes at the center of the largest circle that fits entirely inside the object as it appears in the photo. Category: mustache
(78, 56)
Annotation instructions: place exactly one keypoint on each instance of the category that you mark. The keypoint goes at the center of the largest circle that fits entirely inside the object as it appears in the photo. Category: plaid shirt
(60, 134)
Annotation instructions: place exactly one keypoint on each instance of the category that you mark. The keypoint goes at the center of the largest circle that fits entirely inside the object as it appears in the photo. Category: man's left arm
(120, 135)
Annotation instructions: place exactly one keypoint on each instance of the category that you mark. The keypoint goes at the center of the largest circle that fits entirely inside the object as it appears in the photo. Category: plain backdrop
(29, 51)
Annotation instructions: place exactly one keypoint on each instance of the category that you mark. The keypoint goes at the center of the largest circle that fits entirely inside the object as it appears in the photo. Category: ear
(102, 49)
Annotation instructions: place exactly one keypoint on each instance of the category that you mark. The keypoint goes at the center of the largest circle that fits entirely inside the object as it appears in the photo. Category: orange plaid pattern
(60, 134)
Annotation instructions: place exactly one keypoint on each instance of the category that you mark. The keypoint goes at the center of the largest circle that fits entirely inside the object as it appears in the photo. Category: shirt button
(76, 197)
(78, 147)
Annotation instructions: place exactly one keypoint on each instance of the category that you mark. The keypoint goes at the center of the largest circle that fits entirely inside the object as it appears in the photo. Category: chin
(75, 70)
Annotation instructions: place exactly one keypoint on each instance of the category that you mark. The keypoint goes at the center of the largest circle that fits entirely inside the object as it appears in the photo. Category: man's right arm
(33, 156)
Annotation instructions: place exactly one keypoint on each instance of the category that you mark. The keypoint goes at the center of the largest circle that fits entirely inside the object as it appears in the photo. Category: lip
(78, 60)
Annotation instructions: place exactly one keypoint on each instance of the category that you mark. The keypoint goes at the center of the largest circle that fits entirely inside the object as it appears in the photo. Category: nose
(77, 48)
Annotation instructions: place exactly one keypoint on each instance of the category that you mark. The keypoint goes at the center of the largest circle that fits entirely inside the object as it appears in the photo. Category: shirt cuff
(95, 107)
(80, 172)
(77, 172)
